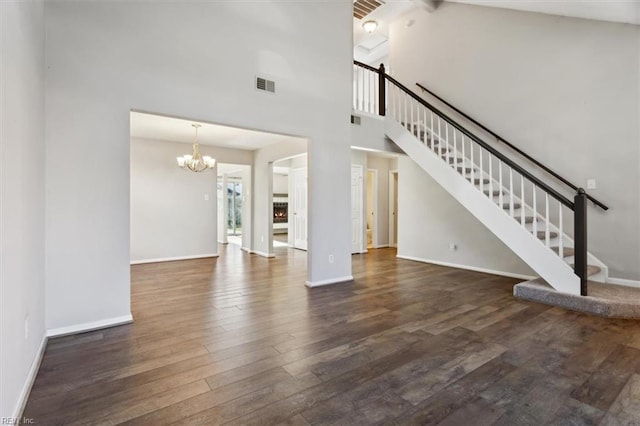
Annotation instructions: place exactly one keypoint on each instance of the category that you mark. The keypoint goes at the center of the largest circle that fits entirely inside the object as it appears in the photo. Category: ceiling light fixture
(370, 26)
(196, 162)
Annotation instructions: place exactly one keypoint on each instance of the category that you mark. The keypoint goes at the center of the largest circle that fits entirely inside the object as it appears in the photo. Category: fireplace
(280, 213)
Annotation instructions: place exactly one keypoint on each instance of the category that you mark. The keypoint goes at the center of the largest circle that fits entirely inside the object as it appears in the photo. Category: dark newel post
(580, 236)
(382, 96)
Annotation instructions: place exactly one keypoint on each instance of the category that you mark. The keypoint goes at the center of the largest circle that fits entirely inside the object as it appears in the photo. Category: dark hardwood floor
(241, 340)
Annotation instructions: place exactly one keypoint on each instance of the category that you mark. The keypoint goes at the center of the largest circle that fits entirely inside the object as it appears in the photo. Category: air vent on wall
(355, 119)
(265, 85)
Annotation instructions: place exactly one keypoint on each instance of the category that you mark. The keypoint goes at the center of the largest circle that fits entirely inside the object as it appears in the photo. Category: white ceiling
(374, 48)
(625, 11)
(157, 127)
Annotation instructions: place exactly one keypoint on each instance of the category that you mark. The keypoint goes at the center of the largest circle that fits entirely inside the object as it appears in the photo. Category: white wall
(196, 60)
(223, 206)
(247, 206)
(429, 219)
(22, 187)
(369, 134)
(280, 184)
(170, 217)
(565, 90)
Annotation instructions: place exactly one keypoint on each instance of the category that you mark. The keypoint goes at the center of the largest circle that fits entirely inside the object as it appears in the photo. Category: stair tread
(507, 206)
(496, 192)
(566, 251)
(552, 234)
(477, 180)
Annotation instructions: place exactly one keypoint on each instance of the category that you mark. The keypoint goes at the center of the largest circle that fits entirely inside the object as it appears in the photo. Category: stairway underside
(544, 261)
(603, 300)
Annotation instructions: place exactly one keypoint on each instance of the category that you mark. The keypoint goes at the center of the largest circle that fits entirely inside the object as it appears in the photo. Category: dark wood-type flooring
(241, 340)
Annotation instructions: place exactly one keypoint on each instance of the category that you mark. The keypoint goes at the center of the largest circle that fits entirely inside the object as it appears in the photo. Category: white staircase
(523, 212)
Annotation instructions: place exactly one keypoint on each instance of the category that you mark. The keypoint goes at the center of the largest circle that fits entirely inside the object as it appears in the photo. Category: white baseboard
(467, 267)
(381, 246)
(330, 281)
(247, 249)
(171, 259)
(263, 254)
(90, 326)
(623, 281)
(31, 377)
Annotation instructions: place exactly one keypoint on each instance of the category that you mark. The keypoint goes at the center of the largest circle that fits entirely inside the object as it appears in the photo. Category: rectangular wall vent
(266, 85)
(355, 119)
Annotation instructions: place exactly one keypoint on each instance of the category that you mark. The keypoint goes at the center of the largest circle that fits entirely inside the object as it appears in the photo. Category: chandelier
(196, 162)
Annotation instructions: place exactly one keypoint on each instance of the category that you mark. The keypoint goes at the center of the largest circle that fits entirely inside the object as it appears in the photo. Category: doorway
(280, 191)
(234, 204)
(372, 208)
(234, 207)
(393, 208)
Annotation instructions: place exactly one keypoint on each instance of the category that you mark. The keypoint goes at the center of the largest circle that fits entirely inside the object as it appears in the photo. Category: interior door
(300, 208)
(394, 238)
(356, 208)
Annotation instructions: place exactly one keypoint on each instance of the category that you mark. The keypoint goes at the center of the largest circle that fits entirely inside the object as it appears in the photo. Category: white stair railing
(533, 205)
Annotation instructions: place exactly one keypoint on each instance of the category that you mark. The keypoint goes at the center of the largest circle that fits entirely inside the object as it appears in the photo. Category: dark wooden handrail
(555, 194)
(513, 147)
(365, 66)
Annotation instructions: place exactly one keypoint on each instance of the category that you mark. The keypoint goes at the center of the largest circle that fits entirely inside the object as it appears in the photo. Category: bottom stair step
(606, 300)
(591, 269)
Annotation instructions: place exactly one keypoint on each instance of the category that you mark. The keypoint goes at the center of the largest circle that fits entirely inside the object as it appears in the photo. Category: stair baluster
(546, 217)
(535, 209)
(522, 198)
(500, 197)
(511, 192)
(560, 248)
(455, 151)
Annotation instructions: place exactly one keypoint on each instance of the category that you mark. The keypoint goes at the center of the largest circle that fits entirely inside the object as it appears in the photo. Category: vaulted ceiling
(372, 48)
